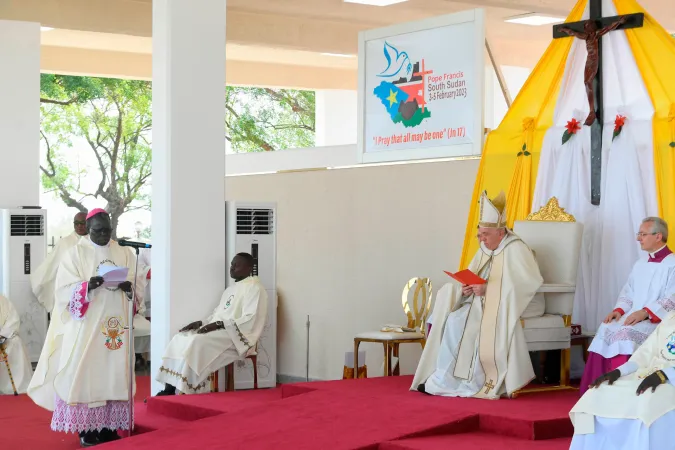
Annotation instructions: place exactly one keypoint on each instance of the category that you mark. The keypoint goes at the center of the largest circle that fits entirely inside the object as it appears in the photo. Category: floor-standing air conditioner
(251, 228)
(23, 247)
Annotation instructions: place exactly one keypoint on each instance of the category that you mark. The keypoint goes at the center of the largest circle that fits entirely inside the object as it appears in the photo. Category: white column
(188, 180)
(336, 117)
(19, 114)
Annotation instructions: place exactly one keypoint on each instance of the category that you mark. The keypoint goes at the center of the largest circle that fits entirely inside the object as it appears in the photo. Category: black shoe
(421, 388)
(165, 392)
(108, 435)
(168, 390)
(89, 439)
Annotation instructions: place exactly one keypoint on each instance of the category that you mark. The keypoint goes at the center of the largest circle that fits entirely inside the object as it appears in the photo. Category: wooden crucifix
(591, 31)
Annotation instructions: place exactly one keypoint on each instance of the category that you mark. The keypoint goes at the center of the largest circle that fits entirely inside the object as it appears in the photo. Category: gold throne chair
(391, 340)
(555, 238)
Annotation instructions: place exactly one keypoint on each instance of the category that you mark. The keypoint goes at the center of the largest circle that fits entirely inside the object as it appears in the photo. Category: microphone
(125, 243)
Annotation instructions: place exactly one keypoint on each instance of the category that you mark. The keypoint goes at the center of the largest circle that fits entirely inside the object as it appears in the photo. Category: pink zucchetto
(95, 212)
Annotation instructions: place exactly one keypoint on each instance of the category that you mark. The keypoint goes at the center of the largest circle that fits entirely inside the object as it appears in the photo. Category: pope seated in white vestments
(42, 280)
(83, 372)
(230, 333)
(646, 298)
(13, 358)
(628, 408)
(476, 347)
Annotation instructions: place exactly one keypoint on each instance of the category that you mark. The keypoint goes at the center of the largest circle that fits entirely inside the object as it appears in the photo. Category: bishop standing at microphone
(83, 372)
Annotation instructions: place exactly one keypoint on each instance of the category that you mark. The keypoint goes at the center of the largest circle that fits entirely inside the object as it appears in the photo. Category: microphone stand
(132, 372)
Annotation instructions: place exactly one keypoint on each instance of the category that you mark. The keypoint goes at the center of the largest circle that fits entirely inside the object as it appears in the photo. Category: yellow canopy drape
(654, 52)
(511, 153)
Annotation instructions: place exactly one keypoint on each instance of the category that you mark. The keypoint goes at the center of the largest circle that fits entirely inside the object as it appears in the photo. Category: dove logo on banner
(396, 61)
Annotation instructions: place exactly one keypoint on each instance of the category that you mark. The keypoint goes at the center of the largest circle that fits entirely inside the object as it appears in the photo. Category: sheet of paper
(112, 275)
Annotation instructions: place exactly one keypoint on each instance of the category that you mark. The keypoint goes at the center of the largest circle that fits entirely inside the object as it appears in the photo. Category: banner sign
(421, 89)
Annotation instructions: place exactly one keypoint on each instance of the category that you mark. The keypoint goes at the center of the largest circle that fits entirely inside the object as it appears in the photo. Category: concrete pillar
(188, 179)
(336, 117)
(19, 114)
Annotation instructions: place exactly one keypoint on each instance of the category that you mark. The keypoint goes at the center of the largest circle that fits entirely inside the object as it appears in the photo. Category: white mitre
(492, 212)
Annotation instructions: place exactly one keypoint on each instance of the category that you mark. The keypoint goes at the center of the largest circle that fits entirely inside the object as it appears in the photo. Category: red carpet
(25, 426)
(376, 413)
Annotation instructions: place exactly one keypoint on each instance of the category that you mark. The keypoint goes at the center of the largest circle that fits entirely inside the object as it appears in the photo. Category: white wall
(336, 117)
(348, 240)
(495, 104)
(19, 114)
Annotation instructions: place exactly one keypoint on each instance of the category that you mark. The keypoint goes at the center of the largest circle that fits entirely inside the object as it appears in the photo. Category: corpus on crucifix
(592, 35)
(591, 31)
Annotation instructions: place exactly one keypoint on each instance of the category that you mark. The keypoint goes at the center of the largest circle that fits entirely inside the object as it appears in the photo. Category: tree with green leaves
(114, 118)
(263, 119)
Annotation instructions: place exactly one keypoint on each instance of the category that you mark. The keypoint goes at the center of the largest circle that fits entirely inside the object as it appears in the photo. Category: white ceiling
(294, 32)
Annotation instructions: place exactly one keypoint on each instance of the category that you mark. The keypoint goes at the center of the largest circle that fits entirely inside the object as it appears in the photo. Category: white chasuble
(190, 358)
(619, 401)
(15, 353)
(84, 361)
(476, 346)
(43, 279)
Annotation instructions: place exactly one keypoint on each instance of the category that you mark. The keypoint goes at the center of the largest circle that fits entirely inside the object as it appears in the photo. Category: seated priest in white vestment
(15, 368)
(647, 297)
(42, 280)
(632, 407)
(476, 347)
(83, 372)
(230, 333)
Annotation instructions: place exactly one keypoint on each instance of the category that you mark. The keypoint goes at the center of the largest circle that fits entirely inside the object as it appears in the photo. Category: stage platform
(375, 413)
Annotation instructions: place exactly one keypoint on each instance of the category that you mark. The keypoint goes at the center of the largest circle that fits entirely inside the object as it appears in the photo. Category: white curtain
(628, 189)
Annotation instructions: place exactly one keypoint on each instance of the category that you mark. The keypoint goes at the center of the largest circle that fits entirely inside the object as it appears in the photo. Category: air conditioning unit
(23, 247)
(251, 227)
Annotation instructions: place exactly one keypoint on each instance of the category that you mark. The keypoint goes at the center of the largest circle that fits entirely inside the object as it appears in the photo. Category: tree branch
(52, 169)
(266, 146)
(58, 102)
(292, 102)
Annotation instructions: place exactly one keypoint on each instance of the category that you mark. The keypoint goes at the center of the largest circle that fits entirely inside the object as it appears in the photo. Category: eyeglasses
(641, 235)
(79, 222)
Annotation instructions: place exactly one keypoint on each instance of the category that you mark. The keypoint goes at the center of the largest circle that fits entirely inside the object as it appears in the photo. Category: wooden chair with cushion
(417, 316)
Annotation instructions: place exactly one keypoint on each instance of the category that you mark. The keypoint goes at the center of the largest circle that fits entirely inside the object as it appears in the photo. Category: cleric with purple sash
(645, 300)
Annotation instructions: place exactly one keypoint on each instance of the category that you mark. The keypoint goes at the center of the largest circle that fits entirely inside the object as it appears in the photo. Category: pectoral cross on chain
(591, 31)
(489, 386)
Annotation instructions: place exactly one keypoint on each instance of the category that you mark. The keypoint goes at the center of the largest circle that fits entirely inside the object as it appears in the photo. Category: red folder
(466, 277)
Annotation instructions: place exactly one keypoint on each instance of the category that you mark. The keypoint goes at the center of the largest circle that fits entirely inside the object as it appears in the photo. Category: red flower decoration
(619, 122)
(573, 126)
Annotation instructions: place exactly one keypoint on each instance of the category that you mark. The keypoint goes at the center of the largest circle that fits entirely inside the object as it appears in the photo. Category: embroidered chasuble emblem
(113, 330)
(669, 352)
(489, 386)
(671, 345)
(229, 300)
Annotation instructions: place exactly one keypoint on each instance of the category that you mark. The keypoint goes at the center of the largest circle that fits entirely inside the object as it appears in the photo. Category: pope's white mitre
(492, 212)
